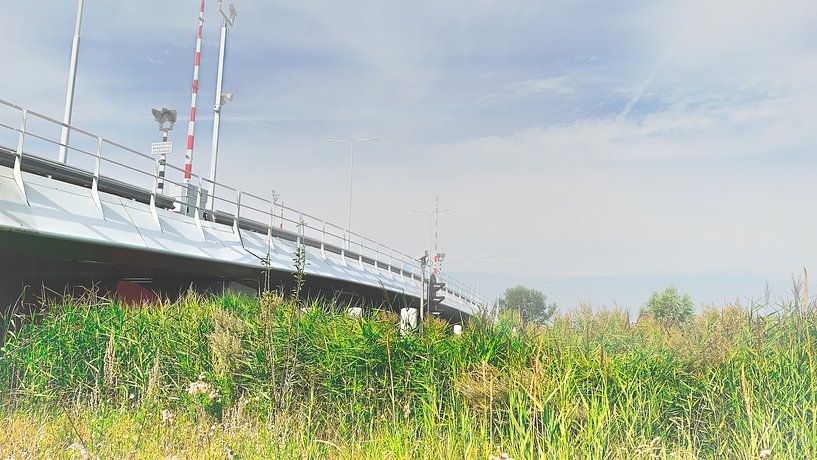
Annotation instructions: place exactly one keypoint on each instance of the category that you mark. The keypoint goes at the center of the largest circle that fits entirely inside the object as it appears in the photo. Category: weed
(276, 377)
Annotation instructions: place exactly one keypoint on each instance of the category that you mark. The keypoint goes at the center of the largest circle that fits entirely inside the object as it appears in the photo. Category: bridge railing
(104, 165)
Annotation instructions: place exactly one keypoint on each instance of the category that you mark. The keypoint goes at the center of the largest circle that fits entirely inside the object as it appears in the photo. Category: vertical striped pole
(188, 155)
(160, 183)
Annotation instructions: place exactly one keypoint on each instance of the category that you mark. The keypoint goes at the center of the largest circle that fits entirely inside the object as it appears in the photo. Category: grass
(282, 379)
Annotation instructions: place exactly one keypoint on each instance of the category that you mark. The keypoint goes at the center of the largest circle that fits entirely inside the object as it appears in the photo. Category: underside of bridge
(34, 269)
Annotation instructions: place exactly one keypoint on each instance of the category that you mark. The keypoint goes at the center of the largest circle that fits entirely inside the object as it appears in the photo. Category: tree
(669, 307)
(520, 298)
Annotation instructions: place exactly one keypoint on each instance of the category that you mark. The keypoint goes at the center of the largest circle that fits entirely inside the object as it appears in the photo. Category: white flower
(202, 388)
(765, 453)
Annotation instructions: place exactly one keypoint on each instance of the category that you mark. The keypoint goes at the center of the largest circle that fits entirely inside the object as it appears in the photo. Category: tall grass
(294, 379)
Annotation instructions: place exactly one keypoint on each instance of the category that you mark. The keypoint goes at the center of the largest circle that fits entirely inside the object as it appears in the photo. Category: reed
(271, 377)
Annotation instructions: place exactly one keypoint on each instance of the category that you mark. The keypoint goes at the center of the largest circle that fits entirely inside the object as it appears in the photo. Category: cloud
(525, 90)
(510, 111)
(709, 130)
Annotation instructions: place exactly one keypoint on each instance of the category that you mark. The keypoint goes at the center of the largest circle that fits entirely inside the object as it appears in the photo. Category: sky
(597, 151)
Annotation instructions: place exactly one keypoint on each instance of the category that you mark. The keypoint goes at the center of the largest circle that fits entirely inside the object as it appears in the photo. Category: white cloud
(707, 171)
(526, 90)
(736, 129)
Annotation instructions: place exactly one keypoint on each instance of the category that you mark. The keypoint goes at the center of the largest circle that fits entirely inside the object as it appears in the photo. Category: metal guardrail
(247, 207)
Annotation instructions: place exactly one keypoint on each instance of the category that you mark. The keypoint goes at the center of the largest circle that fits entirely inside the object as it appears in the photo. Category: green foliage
(520, 298)
(299, 262)
(279, 378)
(669, 307)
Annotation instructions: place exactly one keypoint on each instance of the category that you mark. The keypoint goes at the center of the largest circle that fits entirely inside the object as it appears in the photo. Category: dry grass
(272, 378)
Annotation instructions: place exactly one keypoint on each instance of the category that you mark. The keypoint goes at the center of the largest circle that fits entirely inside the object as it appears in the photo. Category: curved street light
(350, 143)
(72, 82)
(221, 97)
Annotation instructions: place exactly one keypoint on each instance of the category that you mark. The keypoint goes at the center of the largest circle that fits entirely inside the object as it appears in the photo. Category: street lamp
(478, 259)
(72, 81)
(162, 116)
(221, 97)
(351, 142)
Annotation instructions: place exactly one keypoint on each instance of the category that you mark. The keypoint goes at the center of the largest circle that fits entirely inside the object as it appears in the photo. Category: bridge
(101, 218)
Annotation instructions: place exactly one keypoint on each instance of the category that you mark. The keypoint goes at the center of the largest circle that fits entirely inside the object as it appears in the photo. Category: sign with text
(161, 148)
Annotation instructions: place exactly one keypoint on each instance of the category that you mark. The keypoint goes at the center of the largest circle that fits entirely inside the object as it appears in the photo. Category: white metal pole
(479, 260)
(217, 115)
(72, 80)
(350, 142)
(351, 164)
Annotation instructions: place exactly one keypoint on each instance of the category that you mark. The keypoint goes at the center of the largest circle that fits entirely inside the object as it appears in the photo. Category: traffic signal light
(434, 298)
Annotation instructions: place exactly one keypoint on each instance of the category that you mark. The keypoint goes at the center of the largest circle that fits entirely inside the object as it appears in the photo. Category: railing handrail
(368, 247)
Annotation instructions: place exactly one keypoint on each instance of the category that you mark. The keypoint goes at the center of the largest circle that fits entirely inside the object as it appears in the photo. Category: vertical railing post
(323, 239)
(270, 246)
(95, 182)
(342, 246)
(199, 210)
(301, 229)
(389, 264)
(237, 216)
(237, 219)
(18, 158)
(360, 256)
(153, 211)
(376, 254)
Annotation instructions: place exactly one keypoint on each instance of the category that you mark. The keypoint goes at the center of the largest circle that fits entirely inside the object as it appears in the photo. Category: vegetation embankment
(274, 378)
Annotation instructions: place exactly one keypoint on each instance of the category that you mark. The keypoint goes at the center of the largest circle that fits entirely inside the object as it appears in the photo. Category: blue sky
(597, 150)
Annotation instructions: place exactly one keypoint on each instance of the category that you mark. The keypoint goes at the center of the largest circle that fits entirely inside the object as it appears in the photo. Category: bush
(669, 307)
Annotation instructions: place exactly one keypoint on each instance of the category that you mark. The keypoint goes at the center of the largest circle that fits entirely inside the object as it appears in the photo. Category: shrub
(669, 307)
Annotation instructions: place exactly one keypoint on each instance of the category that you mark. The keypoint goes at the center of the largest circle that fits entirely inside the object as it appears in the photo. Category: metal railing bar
(132, 168)
(47, 118)
(45, 139)
(408, 265)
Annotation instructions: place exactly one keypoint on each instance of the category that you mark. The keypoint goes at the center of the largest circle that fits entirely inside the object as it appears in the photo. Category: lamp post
(72, 80)
(163, 116)
(478, 259)
(221, 98)
(350, 143)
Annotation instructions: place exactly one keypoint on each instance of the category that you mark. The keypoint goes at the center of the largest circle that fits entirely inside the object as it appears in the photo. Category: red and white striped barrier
(188, 155)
